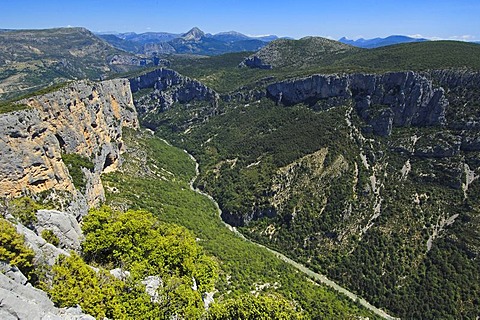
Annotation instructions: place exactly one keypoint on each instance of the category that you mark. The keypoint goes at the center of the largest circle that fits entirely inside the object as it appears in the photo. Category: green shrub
(250, 307)
(50, 237)
(6, 107)
(137, 240)
(75, 163)
(24, 209)
(13, 249)
(98, 293)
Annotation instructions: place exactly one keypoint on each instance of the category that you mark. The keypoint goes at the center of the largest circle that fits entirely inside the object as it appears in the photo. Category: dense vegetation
(139, 244)
(250, 282)
(153, 178)
(250, 307)
(398, 228)
(223, 74)
(314, 187)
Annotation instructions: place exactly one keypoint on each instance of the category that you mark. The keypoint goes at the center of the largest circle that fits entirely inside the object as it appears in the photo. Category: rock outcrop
(384, 101)
(464, 79)
(63, 225)
(170, 87)
(83, 118)
(19, 300)
(45, 253)
(255, 62)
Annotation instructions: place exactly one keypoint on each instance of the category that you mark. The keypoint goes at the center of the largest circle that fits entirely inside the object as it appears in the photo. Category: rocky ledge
(20, 300)
(383, 101)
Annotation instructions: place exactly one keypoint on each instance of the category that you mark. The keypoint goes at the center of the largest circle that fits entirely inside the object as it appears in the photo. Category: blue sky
(444, 19)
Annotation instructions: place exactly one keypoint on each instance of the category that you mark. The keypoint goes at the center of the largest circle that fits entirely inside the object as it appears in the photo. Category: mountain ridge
(33, 59)
(381, 42)
(361, 164)
(194, 41)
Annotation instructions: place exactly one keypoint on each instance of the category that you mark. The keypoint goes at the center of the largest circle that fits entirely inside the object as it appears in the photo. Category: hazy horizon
(441, 19)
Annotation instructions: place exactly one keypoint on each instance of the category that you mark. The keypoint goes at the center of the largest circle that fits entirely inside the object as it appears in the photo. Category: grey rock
(63, 225)
(124, 59)
(457, 78)
(13, 273)
(44, 251)
(171, 87)
(120, 273)
(84, 118)
(151, 49)
(23, 301)
(444, 145)
(74, 313)
(255, 62)
(208, 299)
(152, 283)
(398, 99)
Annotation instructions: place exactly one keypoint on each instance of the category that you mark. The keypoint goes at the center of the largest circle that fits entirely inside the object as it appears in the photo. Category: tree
(249, 307)
(13, 249)
(97, 292)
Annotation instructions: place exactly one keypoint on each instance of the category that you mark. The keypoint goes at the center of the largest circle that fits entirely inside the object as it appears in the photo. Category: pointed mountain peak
(194, 34)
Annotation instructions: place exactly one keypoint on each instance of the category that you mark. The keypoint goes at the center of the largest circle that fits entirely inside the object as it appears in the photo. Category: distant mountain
(306, 52)
(195, 34)
(148, 37)
(32, 59)
(117, 42)
(195, 41)
(380, 42)
(324, 55)
(230, 36)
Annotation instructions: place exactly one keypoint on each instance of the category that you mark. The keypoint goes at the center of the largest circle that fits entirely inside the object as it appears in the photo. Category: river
(314, 275)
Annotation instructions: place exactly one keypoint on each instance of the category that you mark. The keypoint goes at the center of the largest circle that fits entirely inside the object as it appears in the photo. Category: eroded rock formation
(383, 101)
(170, 87)
(82, 118)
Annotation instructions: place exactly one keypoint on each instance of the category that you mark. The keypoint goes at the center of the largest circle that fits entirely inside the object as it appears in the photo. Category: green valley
(310, 179)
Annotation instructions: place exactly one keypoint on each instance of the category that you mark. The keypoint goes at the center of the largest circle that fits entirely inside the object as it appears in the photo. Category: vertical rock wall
(83, 118)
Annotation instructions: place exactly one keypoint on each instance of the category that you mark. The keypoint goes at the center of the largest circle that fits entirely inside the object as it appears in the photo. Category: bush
(13, 249)
(97, 292)
(248, 307)
(138, 242)
(75, 163)
(50, 237)
(24, 209)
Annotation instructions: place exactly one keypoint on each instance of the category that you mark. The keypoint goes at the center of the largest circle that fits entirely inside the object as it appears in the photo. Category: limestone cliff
(170, 87)
(83, 118)
(383, 101)
(159, 90)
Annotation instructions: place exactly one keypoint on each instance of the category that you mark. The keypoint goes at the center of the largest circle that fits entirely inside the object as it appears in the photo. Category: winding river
(316, 276)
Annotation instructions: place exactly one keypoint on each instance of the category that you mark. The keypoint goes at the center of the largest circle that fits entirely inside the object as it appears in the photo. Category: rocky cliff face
(398, 99)
(170, 87)
(167, 88)
(85, 119)
(82, 118)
